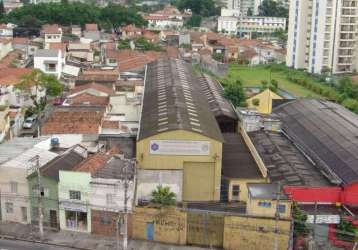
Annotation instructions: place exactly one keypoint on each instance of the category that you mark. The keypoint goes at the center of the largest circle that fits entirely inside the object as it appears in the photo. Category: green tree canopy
(272, 8)
(235, 93)
(163, 196)
(74, 13)
(199, 7)
(194, 21)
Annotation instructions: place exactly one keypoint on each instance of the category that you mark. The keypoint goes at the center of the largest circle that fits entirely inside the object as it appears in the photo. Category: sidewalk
(80, 240)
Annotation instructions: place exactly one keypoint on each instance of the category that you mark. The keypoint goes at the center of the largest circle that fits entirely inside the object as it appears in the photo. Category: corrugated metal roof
(327, 132)
(17, 146)
(23, 160)
(213, 91)
(237, 159)
(173, 100)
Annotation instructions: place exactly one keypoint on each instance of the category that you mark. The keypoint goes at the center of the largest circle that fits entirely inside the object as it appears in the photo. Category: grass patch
(251, 76)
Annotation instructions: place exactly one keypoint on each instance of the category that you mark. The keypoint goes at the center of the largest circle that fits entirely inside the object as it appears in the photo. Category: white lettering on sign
(324, 219)
(179, 147)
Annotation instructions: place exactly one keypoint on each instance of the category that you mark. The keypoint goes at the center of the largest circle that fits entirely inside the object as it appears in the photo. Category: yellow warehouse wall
(248, 233)
(254, 209)
(243, 196)
(170, 225)
(169, 162)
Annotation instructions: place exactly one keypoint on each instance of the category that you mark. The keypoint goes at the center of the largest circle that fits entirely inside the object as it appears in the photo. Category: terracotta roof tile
(110, 124)
(12, 76)
(51, 29)
(91, 27)
(72, 122)
(95, 86)
(88, 99)
(96, 162)
(130, 60)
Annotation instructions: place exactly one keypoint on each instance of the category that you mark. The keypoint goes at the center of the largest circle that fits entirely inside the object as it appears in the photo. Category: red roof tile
(73, 122)
(91, 27)
(95, 86)
(51, 29)
(88, 99)
(12, 76)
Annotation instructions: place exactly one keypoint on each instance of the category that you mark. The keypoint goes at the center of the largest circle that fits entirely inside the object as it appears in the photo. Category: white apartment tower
(322, 35)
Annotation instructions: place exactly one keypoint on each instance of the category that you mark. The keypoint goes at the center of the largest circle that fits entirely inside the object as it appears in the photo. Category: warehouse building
(179, 142)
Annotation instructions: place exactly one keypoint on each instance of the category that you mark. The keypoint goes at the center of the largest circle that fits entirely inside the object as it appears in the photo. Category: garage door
(198, 183)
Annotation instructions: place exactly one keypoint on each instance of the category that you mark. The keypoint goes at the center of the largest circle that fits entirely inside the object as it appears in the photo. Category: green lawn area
(252, 77)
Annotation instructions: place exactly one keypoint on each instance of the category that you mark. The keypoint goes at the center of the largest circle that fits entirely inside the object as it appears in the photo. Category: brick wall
(104, 223)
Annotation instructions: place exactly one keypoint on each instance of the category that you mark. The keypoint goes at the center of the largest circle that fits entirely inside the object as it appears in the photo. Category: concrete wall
(18, 199)
(105, 223)
(5, 48)
(248, 233)
(176, 162)
(148, 180)
(169, 224)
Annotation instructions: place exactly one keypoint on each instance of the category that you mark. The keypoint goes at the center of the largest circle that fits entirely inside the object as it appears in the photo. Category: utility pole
(125, 210)
(39, 184)
(277, 214)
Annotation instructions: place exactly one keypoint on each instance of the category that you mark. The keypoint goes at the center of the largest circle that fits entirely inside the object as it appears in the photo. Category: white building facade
(322, 36)
(49, 61)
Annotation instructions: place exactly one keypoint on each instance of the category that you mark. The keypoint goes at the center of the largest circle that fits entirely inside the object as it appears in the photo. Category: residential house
(91, 33)
(80, 52)
(15, 193)
(7, 30)
(131, 31)
(70, 74)
(5, 47)
(49, 61)
(105, 77)
(10, 95)
(49, 182)
(75, 193)
(52, 34)
(76, 30)
(107, 194)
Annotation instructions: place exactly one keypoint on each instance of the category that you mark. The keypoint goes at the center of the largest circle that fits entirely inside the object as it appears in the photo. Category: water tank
(55, 142)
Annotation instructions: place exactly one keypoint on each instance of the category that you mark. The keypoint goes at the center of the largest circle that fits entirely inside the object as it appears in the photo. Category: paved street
(23, 245)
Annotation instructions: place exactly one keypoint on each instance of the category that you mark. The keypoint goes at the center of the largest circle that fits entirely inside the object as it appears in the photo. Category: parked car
(29, 122)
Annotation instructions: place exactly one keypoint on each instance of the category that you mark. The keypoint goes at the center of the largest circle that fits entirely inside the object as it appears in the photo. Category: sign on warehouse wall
(179, 147)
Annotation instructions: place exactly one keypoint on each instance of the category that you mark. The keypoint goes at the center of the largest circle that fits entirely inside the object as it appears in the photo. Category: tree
(163, 196)
(264, 85)
(274, 85)
(218, 57)
(199, 7)
(300, 218)
(194, 21)
(273, 9)
(346, 231)
(2, 9)
(281, 35)
(249, 12)
(235, 93)
(40, 81)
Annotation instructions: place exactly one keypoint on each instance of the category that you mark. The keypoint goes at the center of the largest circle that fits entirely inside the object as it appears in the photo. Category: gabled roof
(47, 53)
(51, 29)
(325, 131)
(88, 99)
(214, 93)
(94, 86)
(91, 27)
(66, 161)
(173, 100)
(115, 169)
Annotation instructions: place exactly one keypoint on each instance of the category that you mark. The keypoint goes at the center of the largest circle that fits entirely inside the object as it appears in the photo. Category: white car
(29, 122)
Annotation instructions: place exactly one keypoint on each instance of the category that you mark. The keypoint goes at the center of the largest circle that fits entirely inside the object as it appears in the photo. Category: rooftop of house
(116, 168)
(87, 99)
(325, 131)
(66, 161)
(12, 76)
(91, 27)
(95, 162)
(237, 160)
(284, 161)
(58, 46)
(51, 29)
(97, 76)
(78, 120)
(95, 86)
(173, 101)
(267, 191)
(16, 146)
(131, 28)
(79, 46)
(47, 53)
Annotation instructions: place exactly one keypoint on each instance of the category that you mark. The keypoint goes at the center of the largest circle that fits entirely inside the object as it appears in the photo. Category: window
(112, 61)
(109, 198)
(265, 204)
(51, 67)
(236, 191)
(13, 187)
(24, 214)
(281, 208)
(9, 207)
(75, 195)
(105, 220)
(45, 192)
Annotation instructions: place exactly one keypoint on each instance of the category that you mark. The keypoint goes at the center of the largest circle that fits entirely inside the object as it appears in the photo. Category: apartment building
(322, 35)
